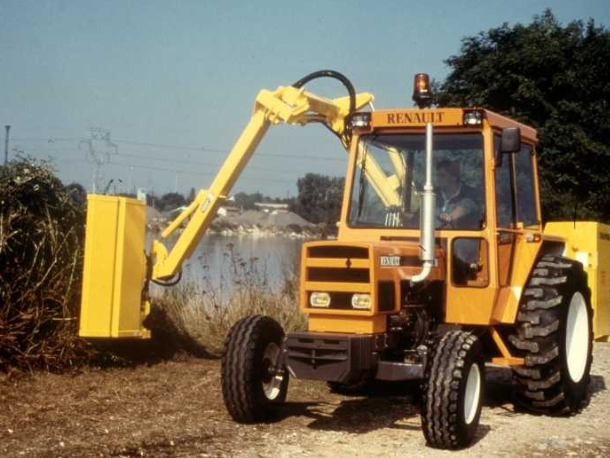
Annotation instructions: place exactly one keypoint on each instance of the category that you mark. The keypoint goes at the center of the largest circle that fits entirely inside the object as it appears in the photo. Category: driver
(456, 202)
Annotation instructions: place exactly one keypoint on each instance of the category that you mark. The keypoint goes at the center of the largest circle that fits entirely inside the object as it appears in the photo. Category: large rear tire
(453, 391)
(251, 385)
(554, 335)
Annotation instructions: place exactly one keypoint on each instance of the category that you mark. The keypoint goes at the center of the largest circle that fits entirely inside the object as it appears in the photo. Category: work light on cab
(473, 118)
(422, 94)
(361, 120)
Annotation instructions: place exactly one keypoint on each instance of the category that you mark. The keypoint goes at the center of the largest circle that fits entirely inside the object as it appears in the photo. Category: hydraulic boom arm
(290, 105)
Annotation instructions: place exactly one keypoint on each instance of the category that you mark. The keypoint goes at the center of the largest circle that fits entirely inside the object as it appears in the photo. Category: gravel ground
(174, 409)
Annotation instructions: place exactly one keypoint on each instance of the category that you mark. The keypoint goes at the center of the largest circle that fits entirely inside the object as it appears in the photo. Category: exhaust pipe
(426, 216)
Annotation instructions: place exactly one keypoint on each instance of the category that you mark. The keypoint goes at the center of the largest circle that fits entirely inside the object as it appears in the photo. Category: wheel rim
(272, 383)
(472, 394)
(577, 337)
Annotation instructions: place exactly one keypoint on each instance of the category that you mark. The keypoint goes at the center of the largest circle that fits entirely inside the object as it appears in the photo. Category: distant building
(274, 209)
(228, 210)
(141, 194)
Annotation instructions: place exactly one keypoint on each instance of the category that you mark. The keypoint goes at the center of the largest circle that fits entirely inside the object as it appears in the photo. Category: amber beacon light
(422, 95)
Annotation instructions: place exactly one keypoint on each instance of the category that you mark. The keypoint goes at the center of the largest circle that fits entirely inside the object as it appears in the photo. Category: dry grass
(41, 234)
(202, 315)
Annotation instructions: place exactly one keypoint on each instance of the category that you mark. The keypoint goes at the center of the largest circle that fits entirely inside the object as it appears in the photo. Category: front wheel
(453, 391)
(252, 383)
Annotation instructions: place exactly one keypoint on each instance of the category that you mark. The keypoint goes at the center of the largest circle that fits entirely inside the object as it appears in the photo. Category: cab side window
(504, 201)
(526, 192)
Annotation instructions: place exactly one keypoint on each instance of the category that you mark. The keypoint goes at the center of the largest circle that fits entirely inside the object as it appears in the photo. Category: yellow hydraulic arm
(290, 105)
(385, 186)
(116, 272)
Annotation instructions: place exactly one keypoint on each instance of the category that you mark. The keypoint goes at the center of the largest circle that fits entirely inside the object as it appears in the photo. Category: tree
(247, 201)
(77, 192)
(171, 201)
(191, 196)
(319, 198)
(556, 79)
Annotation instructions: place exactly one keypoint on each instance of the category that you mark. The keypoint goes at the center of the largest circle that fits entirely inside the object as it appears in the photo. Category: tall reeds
(41, 239)
(202, 312)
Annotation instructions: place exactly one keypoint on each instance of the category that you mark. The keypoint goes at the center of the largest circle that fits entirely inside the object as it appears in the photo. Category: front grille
(340, 270)
(338, 275)
(338, 251)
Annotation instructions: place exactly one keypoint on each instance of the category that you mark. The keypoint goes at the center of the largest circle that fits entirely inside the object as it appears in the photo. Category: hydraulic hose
(167, 283)
(348, 85)
(335, 75)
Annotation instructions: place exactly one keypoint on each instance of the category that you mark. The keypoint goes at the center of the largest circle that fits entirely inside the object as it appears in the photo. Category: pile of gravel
(278, 221)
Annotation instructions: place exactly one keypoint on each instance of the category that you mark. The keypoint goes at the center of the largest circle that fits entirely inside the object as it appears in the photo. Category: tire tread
(537, 337)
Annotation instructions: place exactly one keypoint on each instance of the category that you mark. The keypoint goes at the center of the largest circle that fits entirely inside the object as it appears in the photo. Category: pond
(219, 260)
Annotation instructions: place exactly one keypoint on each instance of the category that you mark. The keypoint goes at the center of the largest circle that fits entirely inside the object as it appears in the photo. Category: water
(219, 259)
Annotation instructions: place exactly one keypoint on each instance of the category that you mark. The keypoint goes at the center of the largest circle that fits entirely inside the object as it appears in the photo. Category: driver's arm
(465, 207)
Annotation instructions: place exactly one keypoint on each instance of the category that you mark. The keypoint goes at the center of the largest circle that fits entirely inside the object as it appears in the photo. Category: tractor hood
(334, 272)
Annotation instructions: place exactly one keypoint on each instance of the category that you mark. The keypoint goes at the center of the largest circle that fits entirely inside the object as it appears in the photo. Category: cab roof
(444, 117)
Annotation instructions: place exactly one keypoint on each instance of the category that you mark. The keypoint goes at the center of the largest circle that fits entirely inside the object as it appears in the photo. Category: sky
(159, 91)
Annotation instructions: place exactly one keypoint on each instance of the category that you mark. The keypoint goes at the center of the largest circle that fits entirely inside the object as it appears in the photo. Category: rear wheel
(555, 337)
(251, 381)
(453, 391)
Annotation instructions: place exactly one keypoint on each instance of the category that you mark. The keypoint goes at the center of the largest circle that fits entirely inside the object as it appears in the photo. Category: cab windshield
(390, 176)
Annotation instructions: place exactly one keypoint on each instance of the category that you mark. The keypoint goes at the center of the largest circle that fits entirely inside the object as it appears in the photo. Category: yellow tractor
(441, 266)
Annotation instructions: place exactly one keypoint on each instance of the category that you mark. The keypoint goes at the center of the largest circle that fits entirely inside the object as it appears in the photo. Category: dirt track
(175, 409)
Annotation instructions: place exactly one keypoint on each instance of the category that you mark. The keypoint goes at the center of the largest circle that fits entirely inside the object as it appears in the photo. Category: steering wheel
(443, 224)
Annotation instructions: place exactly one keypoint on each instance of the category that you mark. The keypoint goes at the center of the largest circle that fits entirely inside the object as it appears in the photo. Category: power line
(55, 149)
(180, 172)
(181, 147)
(188, 172)
(47, 139)
(183, 161)
(162, 145)
(177, 171)
(226, 151)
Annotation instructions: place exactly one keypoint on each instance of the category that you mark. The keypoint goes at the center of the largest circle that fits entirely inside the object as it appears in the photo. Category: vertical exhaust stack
(426, 217)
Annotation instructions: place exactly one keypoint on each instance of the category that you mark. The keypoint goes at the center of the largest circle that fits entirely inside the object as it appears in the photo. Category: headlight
(321, 300)
(361, 301)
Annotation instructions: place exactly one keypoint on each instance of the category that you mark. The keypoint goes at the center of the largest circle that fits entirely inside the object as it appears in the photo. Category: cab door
(517, 228)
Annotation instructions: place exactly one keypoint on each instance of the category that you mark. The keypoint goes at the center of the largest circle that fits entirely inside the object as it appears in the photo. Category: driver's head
(448, 173)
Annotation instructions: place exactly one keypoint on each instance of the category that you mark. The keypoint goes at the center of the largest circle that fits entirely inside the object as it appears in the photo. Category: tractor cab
(486, 214)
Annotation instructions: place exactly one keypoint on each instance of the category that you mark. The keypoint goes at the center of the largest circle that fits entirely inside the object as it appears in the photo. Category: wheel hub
(271, 381)
(577, 337)
(472, 394)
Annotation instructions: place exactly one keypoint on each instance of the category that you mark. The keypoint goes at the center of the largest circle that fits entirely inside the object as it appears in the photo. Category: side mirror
(510, 142)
